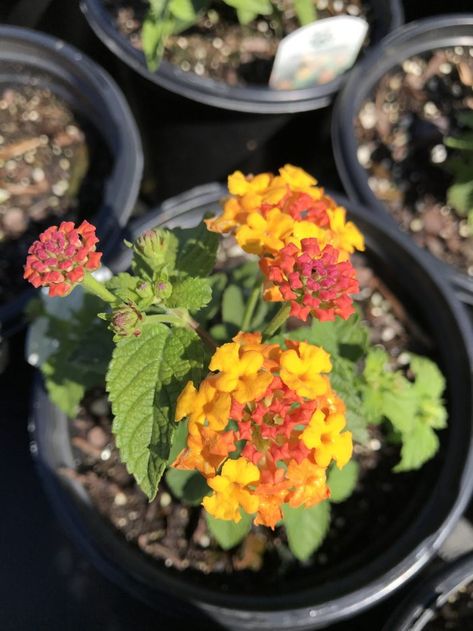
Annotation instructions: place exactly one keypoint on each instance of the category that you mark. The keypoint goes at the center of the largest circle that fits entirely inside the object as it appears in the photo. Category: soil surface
(456, 614)
(219, 48)
(177, 536)
(401, 129)
(52, 168)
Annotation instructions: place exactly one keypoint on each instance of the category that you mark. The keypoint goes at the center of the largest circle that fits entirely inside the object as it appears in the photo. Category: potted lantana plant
(240, 378)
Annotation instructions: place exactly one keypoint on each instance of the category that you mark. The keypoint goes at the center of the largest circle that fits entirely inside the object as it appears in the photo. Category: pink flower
(61, 256)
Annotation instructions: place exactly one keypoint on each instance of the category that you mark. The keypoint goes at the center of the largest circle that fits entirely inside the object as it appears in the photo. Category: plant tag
(317, 53)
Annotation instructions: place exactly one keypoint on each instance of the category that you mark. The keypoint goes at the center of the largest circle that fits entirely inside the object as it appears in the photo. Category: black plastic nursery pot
(387, 16)
(370, 574)
(412, 39)
(197, 130)
(33, 58)
(415, 613)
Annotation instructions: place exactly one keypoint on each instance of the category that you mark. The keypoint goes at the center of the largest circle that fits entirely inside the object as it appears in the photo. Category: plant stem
(251, 306)
(97, 288)
(182, 318)
(278, 320)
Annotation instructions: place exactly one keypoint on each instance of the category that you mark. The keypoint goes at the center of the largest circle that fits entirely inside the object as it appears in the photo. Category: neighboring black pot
(421, 606)
(411, 39)
(198, 130)
(388, 14)
(31, 57)
(438, 499)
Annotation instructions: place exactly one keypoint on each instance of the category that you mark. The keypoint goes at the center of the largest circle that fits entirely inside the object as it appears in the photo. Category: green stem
(251, 306)
(97, 288)
(278, 320)
(182, 318)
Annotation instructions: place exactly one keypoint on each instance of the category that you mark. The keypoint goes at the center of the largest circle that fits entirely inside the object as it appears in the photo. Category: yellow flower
(345, 235)
(233, 215)
(301, 367)
(240, 371)
(230, 493)
(324, 435)
(309, 482)
(297, 178)
(239, 184)
(206, 403)
(308, 230)
(264, 234)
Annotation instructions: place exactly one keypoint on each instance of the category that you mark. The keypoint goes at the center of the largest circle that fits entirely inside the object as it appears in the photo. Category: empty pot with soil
(69, 149)
(399, 131)
(166, 552)
(443, 601)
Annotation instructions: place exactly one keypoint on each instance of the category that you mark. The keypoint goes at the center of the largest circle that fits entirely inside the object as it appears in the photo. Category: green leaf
(342, 482)
(460, 194)
(183, 10)
(417, 447)
(155, 30)
(76, 347)
(179, 441)
(145, 377)
(244, 275)
(306, 11)
(228, 534)
(188, 486)
(233, 306)
(400, 405)
(306, 528)
(429, 379)
(345, 382)
(190, 293)
(248, 10)
(197, 250)
(217, 283)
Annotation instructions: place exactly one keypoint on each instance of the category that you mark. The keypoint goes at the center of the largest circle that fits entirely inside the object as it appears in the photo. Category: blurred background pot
(29, 58)
(443, 600)
(438, 498)
(412, 39)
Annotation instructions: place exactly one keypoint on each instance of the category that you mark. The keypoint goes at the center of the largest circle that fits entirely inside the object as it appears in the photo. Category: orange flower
(285, 418)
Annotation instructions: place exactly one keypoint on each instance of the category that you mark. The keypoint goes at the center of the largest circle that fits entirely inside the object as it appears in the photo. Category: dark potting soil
(456, 614)
(52, 168)
(219, 48)
(176, 535)
(401, 129)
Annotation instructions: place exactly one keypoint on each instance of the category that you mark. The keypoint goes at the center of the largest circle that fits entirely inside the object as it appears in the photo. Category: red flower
(61, 256)
(313, 280)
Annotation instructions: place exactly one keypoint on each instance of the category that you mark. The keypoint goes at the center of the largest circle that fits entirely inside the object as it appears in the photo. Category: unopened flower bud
(126, 321)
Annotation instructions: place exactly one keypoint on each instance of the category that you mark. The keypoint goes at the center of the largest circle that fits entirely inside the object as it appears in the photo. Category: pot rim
(398, 45)
(60, 60)
(419, 608)
(250, 99)
(359, 599)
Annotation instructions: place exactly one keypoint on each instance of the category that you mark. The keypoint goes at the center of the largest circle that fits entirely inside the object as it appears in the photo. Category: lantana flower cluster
(301, 236)
(62, 256)
(264, 425)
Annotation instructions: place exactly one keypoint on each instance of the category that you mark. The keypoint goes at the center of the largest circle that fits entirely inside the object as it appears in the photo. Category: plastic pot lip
(121, 187)
(270, 607)
(408, 40)
(431, 595)
(252, 99)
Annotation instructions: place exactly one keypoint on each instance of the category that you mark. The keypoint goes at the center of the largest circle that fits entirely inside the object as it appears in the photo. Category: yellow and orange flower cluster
(301, 236)
(263, 428)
